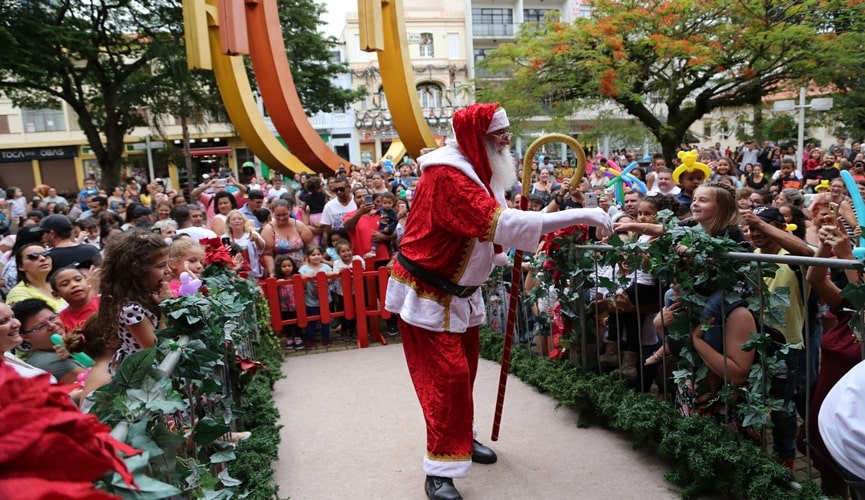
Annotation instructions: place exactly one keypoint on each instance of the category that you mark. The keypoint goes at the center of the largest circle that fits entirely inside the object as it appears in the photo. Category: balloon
(624, 177)
(188, 285)
(859, 205)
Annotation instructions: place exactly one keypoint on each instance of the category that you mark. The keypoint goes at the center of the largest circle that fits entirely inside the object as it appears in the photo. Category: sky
(334, 15)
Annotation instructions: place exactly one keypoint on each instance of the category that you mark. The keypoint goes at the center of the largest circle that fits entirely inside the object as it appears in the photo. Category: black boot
(441, 488)
(483, 454)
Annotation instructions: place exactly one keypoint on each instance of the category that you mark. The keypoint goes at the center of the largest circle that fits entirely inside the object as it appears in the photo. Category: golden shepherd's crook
(516, 277)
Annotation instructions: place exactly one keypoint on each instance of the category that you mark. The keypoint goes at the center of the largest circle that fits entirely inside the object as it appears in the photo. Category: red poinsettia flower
(248, 365)
(215, 252)
(48, 448)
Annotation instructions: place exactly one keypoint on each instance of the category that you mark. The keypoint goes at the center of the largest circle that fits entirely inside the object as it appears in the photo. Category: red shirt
(361, 236)
(73, 319)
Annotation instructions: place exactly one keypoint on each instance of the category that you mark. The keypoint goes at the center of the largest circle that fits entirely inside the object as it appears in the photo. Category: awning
(209, 151)
(396, 151)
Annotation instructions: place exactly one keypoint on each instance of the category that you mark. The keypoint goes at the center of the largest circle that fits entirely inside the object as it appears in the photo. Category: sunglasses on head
(35, 255)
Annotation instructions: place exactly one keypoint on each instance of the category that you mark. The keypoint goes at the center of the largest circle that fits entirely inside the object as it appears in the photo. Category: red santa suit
(456, 226)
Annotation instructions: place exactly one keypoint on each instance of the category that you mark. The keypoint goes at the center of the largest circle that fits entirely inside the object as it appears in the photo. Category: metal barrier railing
(589, 348)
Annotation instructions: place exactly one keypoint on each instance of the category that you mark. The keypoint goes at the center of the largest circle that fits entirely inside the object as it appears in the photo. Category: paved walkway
(352, 428)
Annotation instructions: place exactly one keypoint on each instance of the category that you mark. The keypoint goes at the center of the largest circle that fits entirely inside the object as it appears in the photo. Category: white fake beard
(502, 164)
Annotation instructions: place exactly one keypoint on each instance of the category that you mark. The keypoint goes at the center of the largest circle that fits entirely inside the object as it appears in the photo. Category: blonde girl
(184, 255)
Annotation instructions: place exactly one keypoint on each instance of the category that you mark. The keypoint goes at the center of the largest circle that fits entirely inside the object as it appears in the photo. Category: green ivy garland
(704, 457)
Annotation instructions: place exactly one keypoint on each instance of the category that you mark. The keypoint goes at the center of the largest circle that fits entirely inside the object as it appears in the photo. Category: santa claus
(455, 235)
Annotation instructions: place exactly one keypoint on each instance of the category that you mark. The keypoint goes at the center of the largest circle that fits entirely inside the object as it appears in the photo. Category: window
(535, 15)
(430, 95)
(426, 45)
(43, 120)
(454, 46)
(493, 22)
(4, 124)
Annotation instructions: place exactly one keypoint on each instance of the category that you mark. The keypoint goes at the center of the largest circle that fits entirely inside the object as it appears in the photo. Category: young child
(89, 231)
(70, 284)
(310, 269)
(133, 280)
(387, 223)
(184, 255)
(87, 340)
(283, 269)
(331, 253)
(787, 177)
(345, 260)
(689, 175)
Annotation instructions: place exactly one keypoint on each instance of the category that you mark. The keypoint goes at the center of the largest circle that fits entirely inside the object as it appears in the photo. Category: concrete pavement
(352, 428)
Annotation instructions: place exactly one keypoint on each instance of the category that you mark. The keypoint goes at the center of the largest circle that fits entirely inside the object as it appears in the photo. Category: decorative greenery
(182, 421)
(668, 64)
(705, 458)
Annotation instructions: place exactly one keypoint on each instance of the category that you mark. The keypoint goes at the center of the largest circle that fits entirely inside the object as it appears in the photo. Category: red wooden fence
(363, 291)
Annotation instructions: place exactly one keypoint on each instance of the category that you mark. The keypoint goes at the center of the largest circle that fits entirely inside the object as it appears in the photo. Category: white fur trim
(446, 469)
(500, 121)
(500, 259)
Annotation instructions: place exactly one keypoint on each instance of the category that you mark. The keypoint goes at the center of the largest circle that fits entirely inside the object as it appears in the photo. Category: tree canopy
(669, 62)
(115, 61)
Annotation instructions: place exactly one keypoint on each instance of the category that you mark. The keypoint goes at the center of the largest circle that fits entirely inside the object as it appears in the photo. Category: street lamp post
(817, 104)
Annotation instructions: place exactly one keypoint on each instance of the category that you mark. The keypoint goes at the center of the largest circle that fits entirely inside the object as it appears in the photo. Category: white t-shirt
(840, 421)
(197, 233)
(334, 213)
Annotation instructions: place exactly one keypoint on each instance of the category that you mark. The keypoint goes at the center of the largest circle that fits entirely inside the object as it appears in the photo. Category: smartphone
(591, 200)
(220, 183)
(367, 199)
(226, 240)
(832, 218)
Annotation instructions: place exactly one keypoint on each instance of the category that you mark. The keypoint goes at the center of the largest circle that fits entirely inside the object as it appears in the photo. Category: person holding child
(363, 226)
(387, 222)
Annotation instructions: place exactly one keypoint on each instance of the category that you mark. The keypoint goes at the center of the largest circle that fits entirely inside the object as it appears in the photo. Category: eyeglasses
(40, 326)
(503, 135)
(338, 190)
(35, 255)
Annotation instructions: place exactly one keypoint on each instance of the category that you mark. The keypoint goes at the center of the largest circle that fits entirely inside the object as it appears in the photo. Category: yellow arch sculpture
(203, 47)
(396, 71)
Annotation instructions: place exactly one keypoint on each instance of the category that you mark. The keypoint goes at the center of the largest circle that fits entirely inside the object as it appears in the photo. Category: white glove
(566, 218)
(600, 219)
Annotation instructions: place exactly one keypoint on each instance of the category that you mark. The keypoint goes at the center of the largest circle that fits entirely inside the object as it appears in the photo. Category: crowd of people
(757, 198)
(68, 262)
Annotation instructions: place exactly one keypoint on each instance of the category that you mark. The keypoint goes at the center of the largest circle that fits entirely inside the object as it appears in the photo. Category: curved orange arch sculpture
(273, 74)
(204, 51)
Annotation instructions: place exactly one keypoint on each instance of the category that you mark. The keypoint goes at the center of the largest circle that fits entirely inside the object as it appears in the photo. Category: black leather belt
(434, 281)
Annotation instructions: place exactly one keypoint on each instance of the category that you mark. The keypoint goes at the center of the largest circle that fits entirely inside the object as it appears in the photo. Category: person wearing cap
(457, 234)
(138, 215)
(768, 231)
(57, 234)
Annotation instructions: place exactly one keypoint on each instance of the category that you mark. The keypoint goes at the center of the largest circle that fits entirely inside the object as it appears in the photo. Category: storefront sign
(28, 154)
